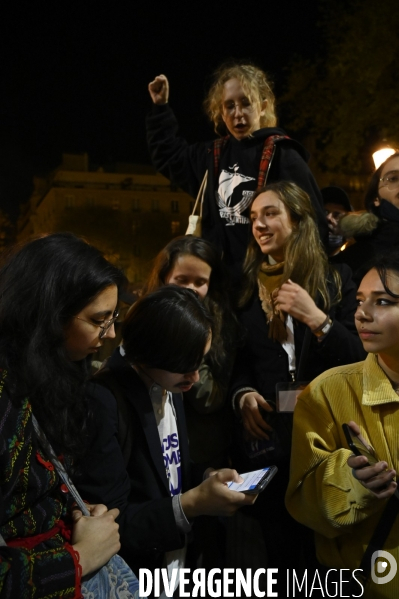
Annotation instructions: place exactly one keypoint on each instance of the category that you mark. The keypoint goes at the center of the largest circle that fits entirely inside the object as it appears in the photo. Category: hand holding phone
(254, 482)
(359, 445)
(373, 474)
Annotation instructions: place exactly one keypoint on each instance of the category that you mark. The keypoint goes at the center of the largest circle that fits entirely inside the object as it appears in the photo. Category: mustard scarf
(270, 277)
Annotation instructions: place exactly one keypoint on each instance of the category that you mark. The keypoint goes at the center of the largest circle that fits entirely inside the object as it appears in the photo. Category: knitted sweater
(31, 503)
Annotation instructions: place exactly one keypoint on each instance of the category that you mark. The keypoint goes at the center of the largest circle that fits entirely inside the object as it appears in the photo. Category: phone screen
(251, 480)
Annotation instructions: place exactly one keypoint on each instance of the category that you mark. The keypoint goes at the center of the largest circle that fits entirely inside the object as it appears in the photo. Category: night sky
(75, 79)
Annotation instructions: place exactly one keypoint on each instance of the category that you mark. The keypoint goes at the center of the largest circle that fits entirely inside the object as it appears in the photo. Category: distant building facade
(129, 215)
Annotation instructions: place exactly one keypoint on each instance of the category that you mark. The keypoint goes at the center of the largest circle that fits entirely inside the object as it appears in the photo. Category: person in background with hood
(240, 103)
(336, 205)
(375, 230)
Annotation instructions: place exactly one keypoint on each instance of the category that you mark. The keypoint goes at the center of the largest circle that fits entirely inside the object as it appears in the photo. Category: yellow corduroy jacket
(322, 493)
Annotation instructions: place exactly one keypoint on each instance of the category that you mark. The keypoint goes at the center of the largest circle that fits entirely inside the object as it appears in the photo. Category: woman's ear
(377, 201)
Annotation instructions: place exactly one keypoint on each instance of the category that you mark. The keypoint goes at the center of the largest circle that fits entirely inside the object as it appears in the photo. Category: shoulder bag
(195, 220)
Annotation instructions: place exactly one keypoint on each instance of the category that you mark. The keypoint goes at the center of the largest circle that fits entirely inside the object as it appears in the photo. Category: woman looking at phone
(194, 263)
(347, 496)
(58, 303)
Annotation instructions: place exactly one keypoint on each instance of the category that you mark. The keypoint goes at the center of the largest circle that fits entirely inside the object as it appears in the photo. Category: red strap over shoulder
(267, 154)
(218, 146)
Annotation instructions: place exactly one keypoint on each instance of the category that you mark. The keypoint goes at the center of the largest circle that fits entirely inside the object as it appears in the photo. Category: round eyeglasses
(105, 326)
(243, 105)
(390, 180)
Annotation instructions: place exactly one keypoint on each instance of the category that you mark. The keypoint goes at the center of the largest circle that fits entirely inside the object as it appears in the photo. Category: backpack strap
(269, 148)
(107, 378)
(218, 146)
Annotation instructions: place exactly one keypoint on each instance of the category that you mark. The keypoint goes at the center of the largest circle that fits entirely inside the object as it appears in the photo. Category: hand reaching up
(159, 90)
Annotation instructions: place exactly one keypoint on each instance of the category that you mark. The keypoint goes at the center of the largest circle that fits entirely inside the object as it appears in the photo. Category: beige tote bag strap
(201, 194)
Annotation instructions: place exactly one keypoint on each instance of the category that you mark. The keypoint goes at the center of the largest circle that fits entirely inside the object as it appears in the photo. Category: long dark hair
(372, 190)
(217, 299)
(168, 329)
(42, 285)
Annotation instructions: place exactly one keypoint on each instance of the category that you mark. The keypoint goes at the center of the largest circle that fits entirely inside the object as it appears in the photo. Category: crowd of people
(287, 291)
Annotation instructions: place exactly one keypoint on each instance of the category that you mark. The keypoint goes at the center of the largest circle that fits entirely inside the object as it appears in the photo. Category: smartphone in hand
(254, 482)
(358, 445)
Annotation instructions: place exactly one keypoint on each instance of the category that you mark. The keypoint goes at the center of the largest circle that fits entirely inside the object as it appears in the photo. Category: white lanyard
(289, 346)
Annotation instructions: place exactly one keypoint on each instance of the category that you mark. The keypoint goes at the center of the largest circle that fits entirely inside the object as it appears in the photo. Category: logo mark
(382, 566)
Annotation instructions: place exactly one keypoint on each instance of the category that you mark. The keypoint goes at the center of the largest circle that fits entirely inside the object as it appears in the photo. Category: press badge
(287, 395)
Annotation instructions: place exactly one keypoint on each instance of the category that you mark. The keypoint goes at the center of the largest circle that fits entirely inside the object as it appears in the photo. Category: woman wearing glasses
(58, 303)
(377, 230)
(249, 151)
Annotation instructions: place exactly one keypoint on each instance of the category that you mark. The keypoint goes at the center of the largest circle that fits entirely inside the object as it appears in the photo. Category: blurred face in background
(333, 214)
(388, 188)
(190, 272)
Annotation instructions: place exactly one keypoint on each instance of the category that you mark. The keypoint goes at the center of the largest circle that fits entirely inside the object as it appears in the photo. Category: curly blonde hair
(256, 85)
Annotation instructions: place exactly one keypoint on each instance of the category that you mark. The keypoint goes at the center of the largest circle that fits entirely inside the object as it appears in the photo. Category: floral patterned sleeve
(37, 560)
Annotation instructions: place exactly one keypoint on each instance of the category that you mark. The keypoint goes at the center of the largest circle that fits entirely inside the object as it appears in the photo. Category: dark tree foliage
(348, 98)
(7, 231)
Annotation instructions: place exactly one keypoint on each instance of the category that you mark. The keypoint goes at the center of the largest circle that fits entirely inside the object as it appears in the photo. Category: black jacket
(185, 166)
(140, 491)
(262, 362)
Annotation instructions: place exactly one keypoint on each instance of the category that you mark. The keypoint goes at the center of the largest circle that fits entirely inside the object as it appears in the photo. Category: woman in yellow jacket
(338, 495)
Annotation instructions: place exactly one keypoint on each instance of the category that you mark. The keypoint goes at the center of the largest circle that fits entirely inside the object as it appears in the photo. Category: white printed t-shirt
(165, 417)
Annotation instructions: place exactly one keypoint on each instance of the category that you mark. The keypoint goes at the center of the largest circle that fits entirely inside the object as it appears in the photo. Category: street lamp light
(382, 154)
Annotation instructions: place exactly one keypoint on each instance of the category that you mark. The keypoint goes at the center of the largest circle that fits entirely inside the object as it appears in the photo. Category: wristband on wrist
(324, 328)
